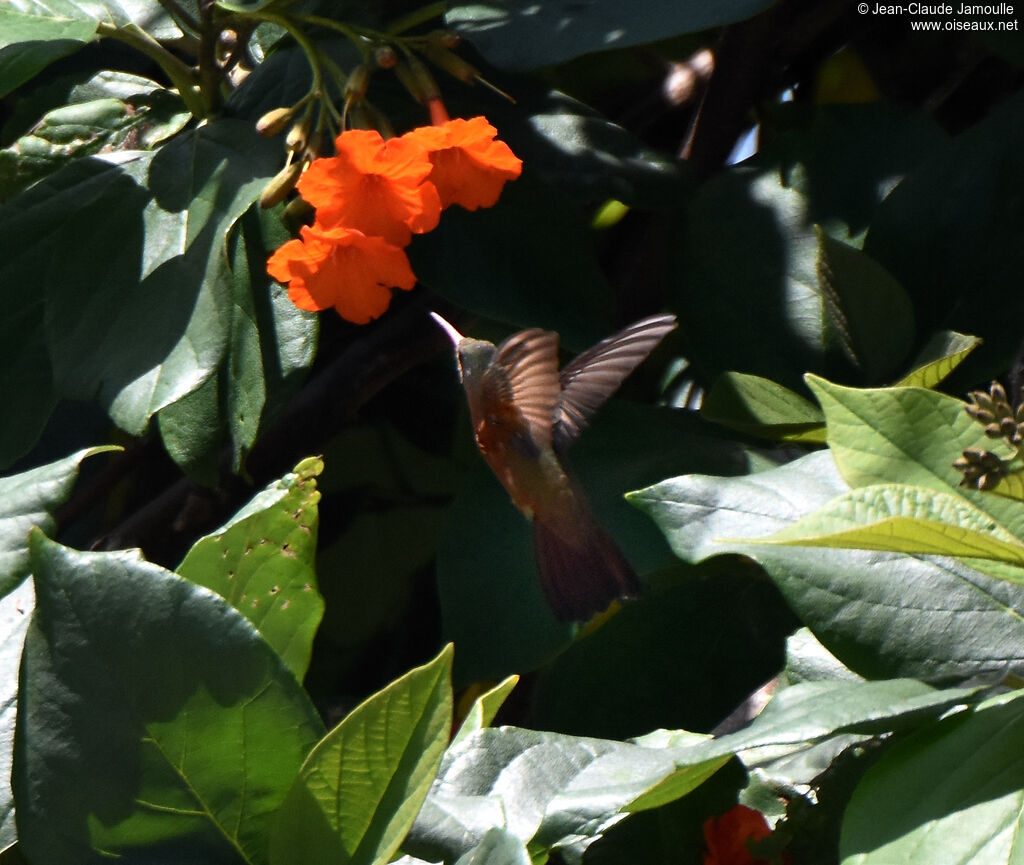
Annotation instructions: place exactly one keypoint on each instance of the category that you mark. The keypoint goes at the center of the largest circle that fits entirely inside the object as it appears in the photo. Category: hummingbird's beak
(453, 334)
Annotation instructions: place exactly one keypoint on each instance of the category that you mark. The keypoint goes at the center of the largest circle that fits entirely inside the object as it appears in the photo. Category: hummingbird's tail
(581, 571)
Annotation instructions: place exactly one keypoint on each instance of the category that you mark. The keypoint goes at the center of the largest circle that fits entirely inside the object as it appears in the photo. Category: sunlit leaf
(944, 352)
(957, 783)
(485, 707)
(904, 519)
(29, 43)
(881, 614)
(262, 562)
(362, 785)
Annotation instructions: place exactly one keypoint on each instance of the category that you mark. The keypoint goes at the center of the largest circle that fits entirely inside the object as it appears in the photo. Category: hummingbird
(525, 415)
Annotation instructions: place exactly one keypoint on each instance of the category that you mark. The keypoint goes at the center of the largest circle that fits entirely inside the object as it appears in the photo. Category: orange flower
(343, 268)
(726, 836)
(470, 166)
(374, 186)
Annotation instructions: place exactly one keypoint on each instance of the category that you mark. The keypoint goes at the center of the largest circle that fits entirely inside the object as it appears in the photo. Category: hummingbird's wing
(524, 378)
(596, 374)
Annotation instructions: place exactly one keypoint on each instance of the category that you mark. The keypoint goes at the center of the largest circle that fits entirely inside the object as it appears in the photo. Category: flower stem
(417, 17)
(181, 75)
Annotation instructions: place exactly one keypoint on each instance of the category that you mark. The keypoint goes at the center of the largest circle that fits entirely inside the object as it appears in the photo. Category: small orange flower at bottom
(343, 268)
(726, 836)
(470, 165)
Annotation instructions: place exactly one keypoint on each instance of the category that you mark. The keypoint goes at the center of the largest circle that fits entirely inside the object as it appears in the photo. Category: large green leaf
(549, 790)
(881, 614)
(869, 314)
(263, 564)
(151, 716)
(361, 787)
(29, 43)
(136, 290)
(910, 436)
(26, 500)
(958, 788)
(561, 793)
(747, 271)
(580, 151)
(550, 31)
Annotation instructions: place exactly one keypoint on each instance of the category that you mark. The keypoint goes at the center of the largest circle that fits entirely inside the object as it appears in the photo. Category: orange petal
(470, 165)
(374, 186)
(342, 268)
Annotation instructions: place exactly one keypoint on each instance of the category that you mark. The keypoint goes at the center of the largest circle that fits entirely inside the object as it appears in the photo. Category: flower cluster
(371, 197)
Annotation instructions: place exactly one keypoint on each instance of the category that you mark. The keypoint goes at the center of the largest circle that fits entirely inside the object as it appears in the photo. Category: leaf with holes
(262, 562)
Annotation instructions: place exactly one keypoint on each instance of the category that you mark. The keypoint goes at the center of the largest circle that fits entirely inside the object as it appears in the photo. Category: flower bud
(283, 183)
(274, 121)
(417, 80)
(440, 55)
(358, 83)
(385, 57)
(447, 38)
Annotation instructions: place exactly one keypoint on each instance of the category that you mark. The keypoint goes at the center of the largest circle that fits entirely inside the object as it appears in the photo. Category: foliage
(218, 648)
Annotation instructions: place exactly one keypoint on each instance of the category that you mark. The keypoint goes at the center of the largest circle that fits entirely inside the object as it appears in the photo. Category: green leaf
(907, 435)
(868, 311)
(809, 712)
(27, 500)
(904, 519)
(497, 847)
(360, 788)
(759, 406)
(549, 790)
(957, 783)
(745, 269)
(944, 352)
(15, 614)
(140, 254)
(551, 31)
(882, 615)
(179, 728)
(30, 43)
(485, 707)
(141, 113)
(262, 563)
